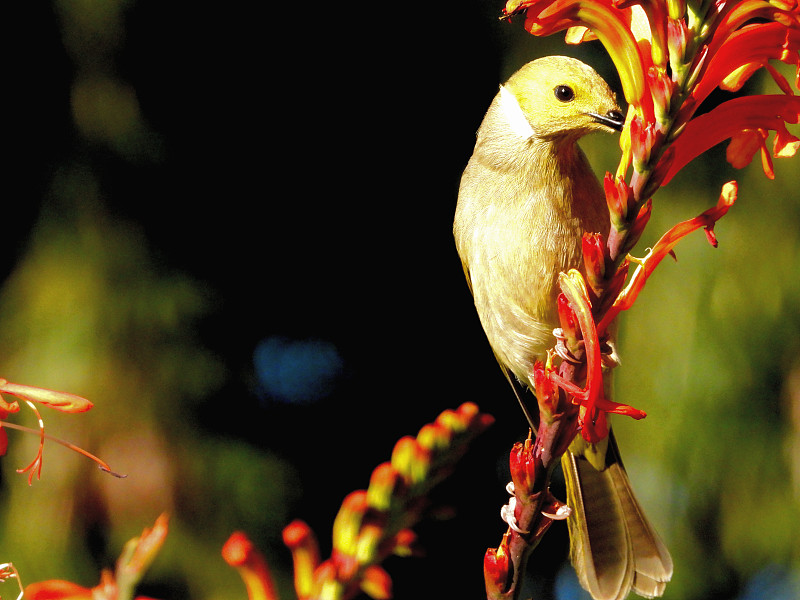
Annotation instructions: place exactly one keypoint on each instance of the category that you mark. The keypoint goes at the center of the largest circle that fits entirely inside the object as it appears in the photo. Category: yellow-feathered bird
(526, 197)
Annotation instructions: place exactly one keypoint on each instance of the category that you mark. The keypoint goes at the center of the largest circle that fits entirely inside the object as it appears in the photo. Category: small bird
(526, 197)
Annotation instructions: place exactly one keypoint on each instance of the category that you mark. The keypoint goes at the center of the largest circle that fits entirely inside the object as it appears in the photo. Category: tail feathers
(652, 561)
(613, 547)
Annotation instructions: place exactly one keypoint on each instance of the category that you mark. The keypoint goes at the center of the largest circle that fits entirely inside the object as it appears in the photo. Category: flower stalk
(375, 523)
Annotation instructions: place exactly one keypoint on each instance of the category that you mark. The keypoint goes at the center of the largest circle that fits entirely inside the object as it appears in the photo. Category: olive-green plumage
(526, 197)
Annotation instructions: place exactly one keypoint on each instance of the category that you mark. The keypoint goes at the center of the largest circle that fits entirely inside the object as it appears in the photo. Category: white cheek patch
(513, 114)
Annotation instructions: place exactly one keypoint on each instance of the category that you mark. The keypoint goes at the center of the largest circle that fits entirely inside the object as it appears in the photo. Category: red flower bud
(240, 553)
(547, 394)
(376, 583)
(302, 543)
(619, 197)
(594, 260)
(569, 322)
(523, 467)
(496, 570)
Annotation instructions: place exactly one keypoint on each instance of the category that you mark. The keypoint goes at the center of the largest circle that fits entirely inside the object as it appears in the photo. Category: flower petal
(239, 552)
(57, 589)
(62, 401)
(664, 247)
(726, 121)
(744, 145)
(748, 48)
(302, 543)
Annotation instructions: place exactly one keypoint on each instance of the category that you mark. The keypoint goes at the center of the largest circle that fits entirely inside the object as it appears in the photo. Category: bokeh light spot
(297, 371)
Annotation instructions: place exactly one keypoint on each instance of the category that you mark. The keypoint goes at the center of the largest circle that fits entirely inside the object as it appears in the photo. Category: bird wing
(516, 386)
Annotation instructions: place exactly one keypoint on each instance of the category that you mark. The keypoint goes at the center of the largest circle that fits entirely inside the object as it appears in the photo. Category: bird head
(563, 97)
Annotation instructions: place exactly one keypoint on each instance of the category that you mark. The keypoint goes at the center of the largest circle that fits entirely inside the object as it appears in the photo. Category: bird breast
(527, 221)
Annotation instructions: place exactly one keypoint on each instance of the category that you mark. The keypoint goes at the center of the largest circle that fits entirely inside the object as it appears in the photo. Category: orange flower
(592, 400)
(62, 401)
(730, 64)
(373, 524)
(729, 120)
(496, 569)
(665, 246)
(240, 553)
(57, 589)
(136, 557)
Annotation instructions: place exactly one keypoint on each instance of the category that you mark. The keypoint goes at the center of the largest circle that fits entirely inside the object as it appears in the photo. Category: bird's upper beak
(613, 119)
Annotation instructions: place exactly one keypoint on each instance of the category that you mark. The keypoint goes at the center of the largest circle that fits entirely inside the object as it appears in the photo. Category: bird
(526, 197)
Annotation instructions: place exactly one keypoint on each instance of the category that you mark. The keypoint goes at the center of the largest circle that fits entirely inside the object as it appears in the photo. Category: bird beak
(613, 119)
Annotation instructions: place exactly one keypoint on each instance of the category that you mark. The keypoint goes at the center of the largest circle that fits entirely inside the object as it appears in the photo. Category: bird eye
(564, 93)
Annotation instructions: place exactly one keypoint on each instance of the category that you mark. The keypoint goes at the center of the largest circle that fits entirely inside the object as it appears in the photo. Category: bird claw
(555, 509)
(561, 347)
(609, 355)
(608, 350)
(552, 508)
(507, 512)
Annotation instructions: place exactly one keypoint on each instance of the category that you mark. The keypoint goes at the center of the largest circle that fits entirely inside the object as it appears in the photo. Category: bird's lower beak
(613, 119)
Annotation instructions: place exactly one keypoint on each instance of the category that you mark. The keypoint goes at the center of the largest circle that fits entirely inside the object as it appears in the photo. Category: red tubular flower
(547, 395)
(569, 324)
(410, 460)
(641, 219)
(612, 290)
(619, 197)
(573, 287)
(661, 89)
(594, 260)
(751, 47)
(145, 548)
(656, 11)
(404, 543)
(644, 136)
(302, 543)
(240, 553)
(57, 589)
(744, 145)
(665, 245)
(677, 37)
(385, 483)
(465, 417)
(591, 398)
(62, 401)
(376, 583)
(522, 464)
(730, 119)
(433, 437)
(496, 571)
(736, 14)
(347, 524)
